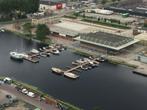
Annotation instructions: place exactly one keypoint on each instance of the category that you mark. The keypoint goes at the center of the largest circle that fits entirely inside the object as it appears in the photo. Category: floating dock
(43, 52)
(32, 60)
(69, 72)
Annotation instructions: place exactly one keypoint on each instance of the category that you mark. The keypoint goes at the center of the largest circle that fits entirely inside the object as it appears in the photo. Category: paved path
(27, 99)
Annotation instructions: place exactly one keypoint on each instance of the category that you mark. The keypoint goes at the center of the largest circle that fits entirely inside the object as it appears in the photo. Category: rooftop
(111, 41)
(51, 2)
(114, 16)
(72, 26)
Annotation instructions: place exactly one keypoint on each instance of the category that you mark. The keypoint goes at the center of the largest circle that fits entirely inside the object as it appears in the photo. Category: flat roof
(114, 16)
(107, 40)
(72, 26)
(64, 31)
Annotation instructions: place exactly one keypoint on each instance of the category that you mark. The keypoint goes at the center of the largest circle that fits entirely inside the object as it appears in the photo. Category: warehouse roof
(107, 40)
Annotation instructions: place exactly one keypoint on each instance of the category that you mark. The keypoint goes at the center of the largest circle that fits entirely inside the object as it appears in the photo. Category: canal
(110, 87)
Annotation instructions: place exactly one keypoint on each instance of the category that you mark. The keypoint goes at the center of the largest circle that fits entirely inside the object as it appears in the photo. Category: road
(40, 104)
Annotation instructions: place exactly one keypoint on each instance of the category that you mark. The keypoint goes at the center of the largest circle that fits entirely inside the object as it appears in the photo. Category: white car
(31, 94)
(25, 91)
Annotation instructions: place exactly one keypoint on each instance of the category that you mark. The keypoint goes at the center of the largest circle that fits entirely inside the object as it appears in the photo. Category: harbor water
(109, 87)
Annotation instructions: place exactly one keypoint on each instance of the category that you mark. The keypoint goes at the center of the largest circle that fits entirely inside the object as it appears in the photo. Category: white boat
(17, 56)
(56, 70)
(2, 30)
(34, 51)
(71, 75)
(55, 51)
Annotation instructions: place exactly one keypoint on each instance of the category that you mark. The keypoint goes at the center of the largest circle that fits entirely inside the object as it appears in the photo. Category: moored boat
(16, 56)
(34, 51)
(56, 70)
(71, 75)
(55, 52)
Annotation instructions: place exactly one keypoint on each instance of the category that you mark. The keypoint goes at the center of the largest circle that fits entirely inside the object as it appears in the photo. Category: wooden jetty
(70, 72)
(79, 66)
(31, 60)
(34, 57)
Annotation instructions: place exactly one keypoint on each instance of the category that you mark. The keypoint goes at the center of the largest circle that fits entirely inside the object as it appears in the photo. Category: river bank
(43, 96)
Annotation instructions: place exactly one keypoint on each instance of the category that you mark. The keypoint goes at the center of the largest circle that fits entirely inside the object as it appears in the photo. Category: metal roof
(107, 40)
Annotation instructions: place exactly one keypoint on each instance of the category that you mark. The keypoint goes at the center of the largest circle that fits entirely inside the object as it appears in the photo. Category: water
(109, 86)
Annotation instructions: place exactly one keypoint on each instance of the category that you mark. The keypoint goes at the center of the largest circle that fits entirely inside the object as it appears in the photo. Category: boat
(75, 63)
(40, 49)
(44, 48)
(55, 52)
(2, 30)
(84, 68)
(34, 51)
(16, 55)
(56, 70)
(43, 55)
(48, 54)
(71, 75)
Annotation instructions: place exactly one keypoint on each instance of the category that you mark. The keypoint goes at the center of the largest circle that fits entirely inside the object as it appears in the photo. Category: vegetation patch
(115, 25)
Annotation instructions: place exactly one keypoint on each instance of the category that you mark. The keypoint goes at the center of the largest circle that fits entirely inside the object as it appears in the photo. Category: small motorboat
(34, 51)
(56, 70)
(71, 75)
(55, 52)
(2, 30)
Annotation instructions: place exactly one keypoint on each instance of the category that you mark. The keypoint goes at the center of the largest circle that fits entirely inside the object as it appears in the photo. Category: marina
(81, 64)
(34, 54)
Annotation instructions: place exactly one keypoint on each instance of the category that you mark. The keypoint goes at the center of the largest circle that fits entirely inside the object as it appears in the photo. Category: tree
(27, 28)
(103, 2)
(42, 31)
(27, 6)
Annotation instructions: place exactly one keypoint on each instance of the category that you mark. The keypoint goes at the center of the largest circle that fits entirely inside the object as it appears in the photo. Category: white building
(100, 11)
(51, 5)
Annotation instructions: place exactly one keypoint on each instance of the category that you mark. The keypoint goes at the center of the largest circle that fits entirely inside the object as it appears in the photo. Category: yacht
(56, 70)
(17, 56)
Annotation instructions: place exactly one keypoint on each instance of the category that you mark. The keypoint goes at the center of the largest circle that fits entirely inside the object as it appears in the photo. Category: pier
(82, 64)
(79, 66)
(32, 60)
(34, 55)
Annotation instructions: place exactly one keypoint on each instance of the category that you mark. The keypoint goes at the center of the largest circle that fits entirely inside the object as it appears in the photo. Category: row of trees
(42, 31)
(26, 6)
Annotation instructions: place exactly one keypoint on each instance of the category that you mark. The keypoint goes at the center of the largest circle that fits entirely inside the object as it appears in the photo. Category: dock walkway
(78, 66)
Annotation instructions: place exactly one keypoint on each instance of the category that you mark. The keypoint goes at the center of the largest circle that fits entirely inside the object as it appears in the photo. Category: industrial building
(133, 7)
(99, 11)
(105, 42)
(52, 5)
(112, 17)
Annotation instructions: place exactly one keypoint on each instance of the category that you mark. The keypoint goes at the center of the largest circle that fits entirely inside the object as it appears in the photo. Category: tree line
(26, 6)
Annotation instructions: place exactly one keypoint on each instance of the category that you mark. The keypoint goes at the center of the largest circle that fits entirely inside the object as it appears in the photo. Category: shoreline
(53, 101)
(111, 59)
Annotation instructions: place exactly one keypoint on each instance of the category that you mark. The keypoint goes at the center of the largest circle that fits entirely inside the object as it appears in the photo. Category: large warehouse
(134, 7)
(105, 41)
